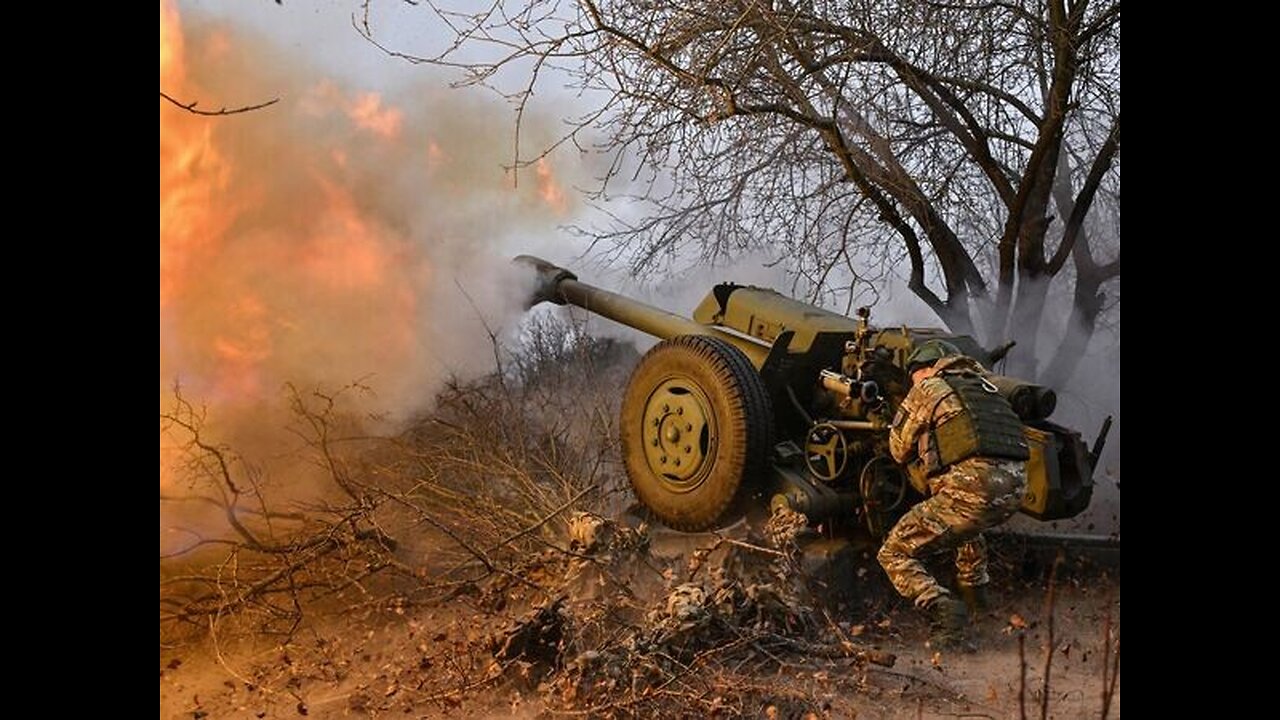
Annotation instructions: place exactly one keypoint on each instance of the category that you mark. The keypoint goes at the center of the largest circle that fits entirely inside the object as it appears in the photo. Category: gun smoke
(340, 235)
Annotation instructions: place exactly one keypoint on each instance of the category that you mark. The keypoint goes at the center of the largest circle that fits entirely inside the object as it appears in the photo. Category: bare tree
(973, 143)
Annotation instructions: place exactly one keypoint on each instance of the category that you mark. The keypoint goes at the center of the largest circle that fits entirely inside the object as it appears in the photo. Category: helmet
(929, 352)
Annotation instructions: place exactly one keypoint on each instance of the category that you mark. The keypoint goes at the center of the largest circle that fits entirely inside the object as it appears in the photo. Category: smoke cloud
(343, 234)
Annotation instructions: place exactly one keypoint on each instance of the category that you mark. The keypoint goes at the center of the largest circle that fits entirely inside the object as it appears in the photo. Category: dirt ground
(402, 660)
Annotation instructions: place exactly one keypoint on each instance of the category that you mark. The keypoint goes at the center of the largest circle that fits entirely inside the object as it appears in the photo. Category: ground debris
(638, 632)
(536, 637)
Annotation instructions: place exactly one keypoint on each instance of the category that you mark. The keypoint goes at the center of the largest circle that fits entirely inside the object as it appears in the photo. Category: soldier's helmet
(929, 352)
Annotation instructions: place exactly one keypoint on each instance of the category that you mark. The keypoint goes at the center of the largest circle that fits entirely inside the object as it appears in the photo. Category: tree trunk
(1024, 324)
(1085, 306)
(1086, 301)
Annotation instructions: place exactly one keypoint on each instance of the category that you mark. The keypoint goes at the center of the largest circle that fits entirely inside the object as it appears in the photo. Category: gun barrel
(1029, 400)
(558, 285)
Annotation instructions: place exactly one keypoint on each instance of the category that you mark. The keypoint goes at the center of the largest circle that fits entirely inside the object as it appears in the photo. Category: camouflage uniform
(971, 496)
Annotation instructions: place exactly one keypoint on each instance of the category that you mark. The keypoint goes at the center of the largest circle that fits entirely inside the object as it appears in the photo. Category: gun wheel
(696, 430)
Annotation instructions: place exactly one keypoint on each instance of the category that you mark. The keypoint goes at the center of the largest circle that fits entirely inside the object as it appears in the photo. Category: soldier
(964, 448)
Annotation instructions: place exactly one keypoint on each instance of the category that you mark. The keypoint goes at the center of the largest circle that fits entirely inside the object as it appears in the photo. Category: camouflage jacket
(928, 404)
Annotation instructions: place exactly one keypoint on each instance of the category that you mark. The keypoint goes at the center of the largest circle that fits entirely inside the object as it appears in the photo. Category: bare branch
(191, 106)
(1084, 200)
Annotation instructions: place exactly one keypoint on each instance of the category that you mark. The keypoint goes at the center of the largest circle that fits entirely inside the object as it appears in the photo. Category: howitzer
(761, 401)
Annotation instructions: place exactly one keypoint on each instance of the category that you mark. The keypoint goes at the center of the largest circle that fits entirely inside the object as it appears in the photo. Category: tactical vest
(988, 427)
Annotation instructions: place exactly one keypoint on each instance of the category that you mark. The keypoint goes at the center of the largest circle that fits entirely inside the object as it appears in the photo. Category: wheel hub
(679, 431)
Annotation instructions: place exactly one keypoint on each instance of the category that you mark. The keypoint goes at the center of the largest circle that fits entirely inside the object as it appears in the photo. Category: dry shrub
(466, 491)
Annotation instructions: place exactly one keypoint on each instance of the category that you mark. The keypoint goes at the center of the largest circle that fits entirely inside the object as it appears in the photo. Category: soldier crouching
(964, 448)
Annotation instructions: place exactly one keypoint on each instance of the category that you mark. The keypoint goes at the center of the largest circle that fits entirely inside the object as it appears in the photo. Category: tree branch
(1084, 200)
(191, 106)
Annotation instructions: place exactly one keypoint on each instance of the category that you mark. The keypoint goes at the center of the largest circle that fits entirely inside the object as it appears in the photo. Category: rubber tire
(743, 416)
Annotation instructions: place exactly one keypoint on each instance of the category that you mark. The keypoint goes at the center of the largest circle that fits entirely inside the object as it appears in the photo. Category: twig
(848, 648)
(217, 652)
(943, 690)
(477, 553)
(191, 106)
(1115, 675)
(1109, 671)
(493, 336)
(749, 546)
(517, 535)
(501, 668)
(1022, 676)
(1106, 658)
(1048, 653)
(248, 511)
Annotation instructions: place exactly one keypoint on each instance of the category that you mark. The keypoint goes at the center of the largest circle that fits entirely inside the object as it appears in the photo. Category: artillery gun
(761, 401)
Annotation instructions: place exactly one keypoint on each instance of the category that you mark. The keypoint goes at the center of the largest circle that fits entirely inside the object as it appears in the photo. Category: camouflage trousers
(976, 494)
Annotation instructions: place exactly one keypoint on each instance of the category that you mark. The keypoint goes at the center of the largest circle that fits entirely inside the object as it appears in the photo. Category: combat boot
(976, 597)
(947, 618)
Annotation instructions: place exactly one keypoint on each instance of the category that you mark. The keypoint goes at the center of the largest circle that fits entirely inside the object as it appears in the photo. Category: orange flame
(549, 188)
(298, 243)
(272, 268)
(367, 113)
